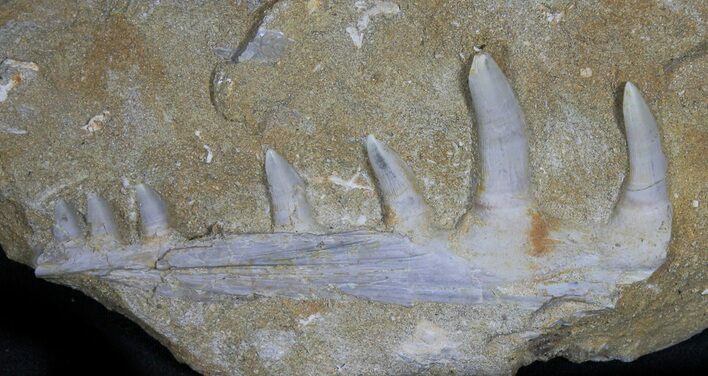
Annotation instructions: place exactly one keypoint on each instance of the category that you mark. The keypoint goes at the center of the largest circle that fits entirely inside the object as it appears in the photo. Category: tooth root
(153, 212)
(503, 144)
(67, 223)
(100, 217)
(405, 209)
(291, 211)
(646, 183)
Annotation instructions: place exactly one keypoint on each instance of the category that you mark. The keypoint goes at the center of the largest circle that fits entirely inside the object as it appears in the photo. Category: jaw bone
(488, 260)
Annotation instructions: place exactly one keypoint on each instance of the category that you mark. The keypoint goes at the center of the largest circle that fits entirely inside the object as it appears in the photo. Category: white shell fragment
(503, 250)
(384, 8)
(291, 211)
(153, 212)
(100, 217)
(404, 208)
(13, 73)
(97, 122)
(267, 46)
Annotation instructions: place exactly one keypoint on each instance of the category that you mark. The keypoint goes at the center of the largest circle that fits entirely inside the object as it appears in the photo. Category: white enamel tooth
(67, 223)
(646, 183)
(153, 212)
(405, 209)
(503, 145)
(291, 210)
(100, 217)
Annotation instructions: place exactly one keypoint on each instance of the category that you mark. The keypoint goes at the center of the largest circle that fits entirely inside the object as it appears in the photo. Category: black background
(47, 329)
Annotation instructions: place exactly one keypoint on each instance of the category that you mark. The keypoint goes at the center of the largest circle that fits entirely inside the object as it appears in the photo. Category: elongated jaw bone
(496, 253)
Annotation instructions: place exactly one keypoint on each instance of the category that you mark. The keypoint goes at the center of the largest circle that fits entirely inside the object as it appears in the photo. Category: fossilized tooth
(503, 146)
(646, 184)
(405, 209)
(100, 217)
(291, 211)
(153, 212)
(67, 224)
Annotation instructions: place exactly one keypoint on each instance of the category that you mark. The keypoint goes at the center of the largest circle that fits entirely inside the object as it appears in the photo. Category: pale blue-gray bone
(379, 266)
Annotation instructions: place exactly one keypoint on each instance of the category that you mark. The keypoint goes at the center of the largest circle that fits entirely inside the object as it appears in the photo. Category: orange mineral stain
(541, 244)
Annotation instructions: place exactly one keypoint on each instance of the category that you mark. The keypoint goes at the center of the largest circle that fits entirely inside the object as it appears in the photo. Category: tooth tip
(371, 143)
(100, 216)
(61, 207)
(153, 211)
(291, 211)
(632, 93)
(481, 61)
(60, 204)
(67, 224)
(406, 208)
(645, 185)
(272, 158)
(278, 168)
(636, 111)
(480, 58)
(92, 198)
(144, 192)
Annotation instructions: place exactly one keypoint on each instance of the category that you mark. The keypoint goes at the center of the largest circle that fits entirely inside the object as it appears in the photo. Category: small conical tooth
(153, 212)
(503, 144)
(100, 217)
(291, 211)
(67, 224)
(646, 183)
(404, 208)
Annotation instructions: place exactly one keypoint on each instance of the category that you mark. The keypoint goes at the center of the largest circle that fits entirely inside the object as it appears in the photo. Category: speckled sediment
(149, 67)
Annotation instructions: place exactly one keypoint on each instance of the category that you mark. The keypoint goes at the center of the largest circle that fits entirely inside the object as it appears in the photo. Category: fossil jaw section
(503, 249)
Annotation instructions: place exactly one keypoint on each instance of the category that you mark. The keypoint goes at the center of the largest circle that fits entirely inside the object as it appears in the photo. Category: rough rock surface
(186, 96)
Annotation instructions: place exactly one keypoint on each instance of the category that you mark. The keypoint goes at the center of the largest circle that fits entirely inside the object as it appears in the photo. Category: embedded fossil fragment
(500, 251)
(13, 73)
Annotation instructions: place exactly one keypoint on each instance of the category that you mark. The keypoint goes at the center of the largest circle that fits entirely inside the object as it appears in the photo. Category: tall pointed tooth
(503, 144)
(100, 217)
(404, 208)
(67, 223)
(291, 211)
(646, 183)
(153, 212)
